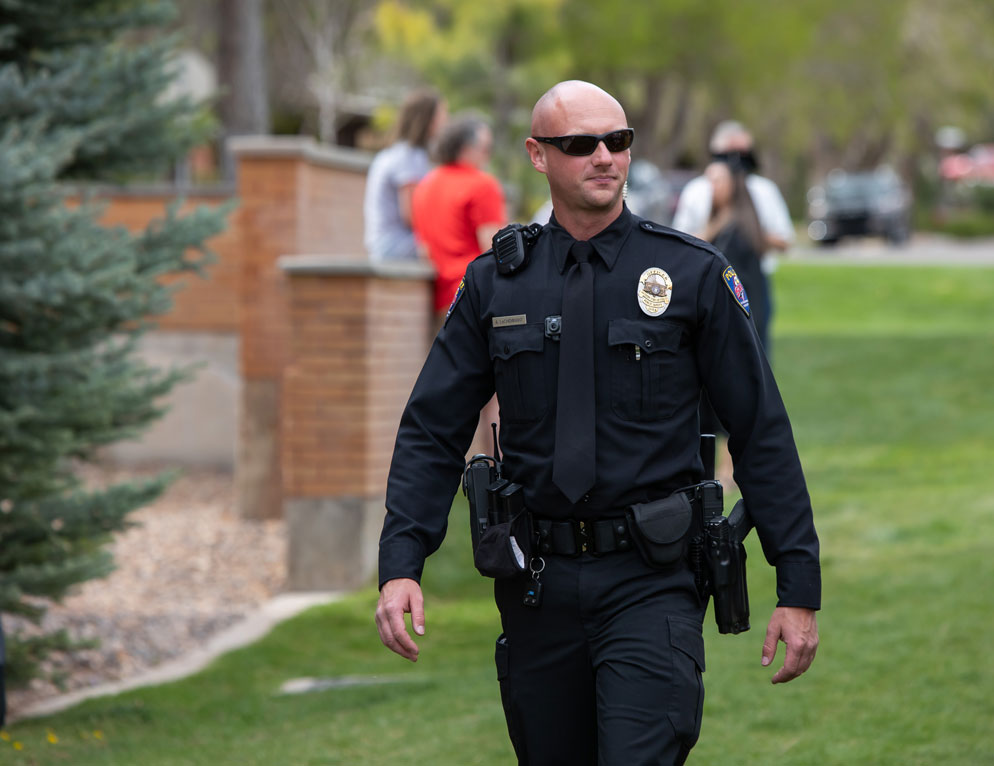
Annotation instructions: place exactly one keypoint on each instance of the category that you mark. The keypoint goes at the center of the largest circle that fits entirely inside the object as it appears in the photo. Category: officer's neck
(586, 224)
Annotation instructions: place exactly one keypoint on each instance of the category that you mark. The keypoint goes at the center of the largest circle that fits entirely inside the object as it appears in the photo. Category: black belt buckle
(584, 542)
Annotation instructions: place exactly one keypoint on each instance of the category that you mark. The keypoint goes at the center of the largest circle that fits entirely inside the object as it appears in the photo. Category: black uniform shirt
(649, 372)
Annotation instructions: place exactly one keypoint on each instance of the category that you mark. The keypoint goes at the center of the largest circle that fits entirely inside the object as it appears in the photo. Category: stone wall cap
(304, 147)
(337, 266)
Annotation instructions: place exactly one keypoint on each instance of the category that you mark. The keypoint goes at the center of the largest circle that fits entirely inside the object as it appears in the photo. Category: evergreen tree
(82, 86)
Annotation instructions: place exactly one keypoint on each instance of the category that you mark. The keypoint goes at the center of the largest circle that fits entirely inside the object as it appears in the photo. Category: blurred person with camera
(732, 143)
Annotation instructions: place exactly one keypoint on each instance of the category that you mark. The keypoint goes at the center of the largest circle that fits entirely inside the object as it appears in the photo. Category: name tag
(510, 320)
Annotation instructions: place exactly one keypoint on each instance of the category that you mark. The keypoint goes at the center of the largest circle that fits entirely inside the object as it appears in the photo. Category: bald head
(586, 189)
(558, 106)
(730, 136)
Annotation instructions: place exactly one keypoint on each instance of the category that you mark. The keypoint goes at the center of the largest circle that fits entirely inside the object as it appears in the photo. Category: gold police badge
(654, 291)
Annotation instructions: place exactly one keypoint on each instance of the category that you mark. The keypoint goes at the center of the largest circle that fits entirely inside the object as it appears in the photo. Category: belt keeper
(604, 539)
(565, 538)
(543, 530)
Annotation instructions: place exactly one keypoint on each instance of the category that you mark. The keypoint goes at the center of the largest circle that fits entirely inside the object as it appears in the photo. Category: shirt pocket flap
(505, 342)
(686, 636)
(649, 336)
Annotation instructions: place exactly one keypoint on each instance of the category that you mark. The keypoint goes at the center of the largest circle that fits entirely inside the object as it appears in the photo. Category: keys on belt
(571, 537)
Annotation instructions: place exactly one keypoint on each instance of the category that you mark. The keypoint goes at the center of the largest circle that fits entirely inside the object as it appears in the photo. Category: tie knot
(581, 251)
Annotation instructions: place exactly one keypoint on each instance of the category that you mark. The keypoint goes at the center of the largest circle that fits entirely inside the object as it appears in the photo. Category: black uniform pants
(607, 671)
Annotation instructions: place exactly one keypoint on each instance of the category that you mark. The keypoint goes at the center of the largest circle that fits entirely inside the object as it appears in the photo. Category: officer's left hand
(798, 629)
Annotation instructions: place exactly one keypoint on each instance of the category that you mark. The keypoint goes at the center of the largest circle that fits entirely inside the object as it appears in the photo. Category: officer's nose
(602, 156)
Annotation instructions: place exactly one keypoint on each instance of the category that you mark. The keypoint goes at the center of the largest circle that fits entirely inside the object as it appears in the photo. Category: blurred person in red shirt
(455, 211)
(458, 207)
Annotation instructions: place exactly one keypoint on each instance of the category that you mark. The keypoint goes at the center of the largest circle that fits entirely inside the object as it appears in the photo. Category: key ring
(531, 566)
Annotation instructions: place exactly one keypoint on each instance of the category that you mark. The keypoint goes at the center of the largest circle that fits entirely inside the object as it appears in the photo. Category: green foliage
(25, 655)
(967, 224)
(886, 373)
(497, 56)
(81, 96)
(822, 83)
(983, 198)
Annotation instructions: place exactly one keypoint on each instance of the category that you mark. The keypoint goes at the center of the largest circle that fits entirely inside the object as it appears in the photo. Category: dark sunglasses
(583, 144)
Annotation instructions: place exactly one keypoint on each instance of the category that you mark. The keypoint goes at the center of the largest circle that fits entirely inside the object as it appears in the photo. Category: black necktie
(573, 468)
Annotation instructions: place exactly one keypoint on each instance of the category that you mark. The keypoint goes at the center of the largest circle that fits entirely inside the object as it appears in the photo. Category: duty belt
(571, 537)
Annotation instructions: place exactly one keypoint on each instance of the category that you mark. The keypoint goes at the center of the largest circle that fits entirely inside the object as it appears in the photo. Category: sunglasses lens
(579, 146)
(618, 141)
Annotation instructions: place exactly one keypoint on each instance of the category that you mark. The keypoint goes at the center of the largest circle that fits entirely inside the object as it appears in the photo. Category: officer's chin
(604, 199)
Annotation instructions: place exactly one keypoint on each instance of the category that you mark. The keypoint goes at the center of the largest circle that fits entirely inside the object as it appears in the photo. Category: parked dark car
(873, 203)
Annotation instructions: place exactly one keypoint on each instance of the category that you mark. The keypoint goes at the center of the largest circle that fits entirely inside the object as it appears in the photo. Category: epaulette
(666, 231)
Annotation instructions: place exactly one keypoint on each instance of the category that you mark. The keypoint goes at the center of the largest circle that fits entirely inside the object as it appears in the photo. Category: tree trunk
(244, 104)
(646, 120)
(503, 102)
(677, 133)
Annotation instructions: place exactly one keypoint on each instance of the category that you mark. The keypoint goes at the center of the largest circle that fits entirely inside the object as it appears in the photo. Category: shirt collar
(607, 243)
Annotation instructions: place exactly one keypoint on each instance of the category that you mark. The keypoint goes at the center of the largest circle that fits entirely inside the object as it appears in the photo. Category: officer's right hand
(397, 598)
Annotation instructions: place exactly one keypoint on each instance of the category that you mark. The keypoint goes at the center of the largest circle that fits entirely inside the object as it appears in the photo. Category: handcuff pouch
(661, 528)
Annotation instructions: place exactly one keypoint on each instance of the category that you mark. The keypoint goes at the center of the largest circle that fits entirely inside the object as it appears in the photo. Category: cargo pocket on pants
(685, 714)
(502, 660)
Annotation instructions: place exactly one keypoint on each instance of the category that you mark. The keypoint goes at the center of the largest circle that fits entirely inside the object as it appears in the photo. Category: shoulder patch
(736, 287)
(459, 291)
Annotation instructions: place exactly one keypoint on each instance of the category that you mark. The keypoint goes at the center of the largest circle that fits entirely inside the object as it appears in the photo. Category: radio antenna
(497, 457)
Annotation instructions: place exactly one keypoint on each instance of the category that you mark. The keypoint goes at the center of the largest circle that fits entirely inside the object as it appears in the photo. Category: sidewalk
(922, 250)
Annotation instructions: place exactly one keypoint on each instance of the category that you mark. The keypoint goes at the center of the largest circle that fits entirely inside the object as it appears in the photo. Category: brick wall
(359, 339)
(296, 197)
(328, 345)
(359, 335)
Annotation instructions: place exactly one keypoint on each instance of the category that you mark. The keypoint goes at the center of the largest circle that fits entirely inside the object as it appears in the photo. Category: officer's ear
(536, 153)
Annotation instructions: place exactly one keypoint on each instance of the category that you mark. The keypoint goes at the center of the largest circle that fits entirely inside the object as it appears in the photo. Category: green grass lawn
(887, 373)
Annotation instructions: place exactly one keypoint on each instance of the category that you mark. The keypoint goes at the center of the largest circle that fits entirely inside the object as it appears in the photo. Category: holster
(689, 525)
(725, 557)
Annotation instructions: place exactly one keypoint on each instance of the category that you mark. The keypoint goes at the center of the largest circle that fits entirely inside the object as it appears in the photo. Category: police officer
(599, 412)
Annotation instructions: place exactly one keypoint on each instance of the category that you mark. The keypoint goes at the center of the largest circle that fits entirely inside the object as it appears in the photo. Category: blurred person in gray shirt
(394, 173)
